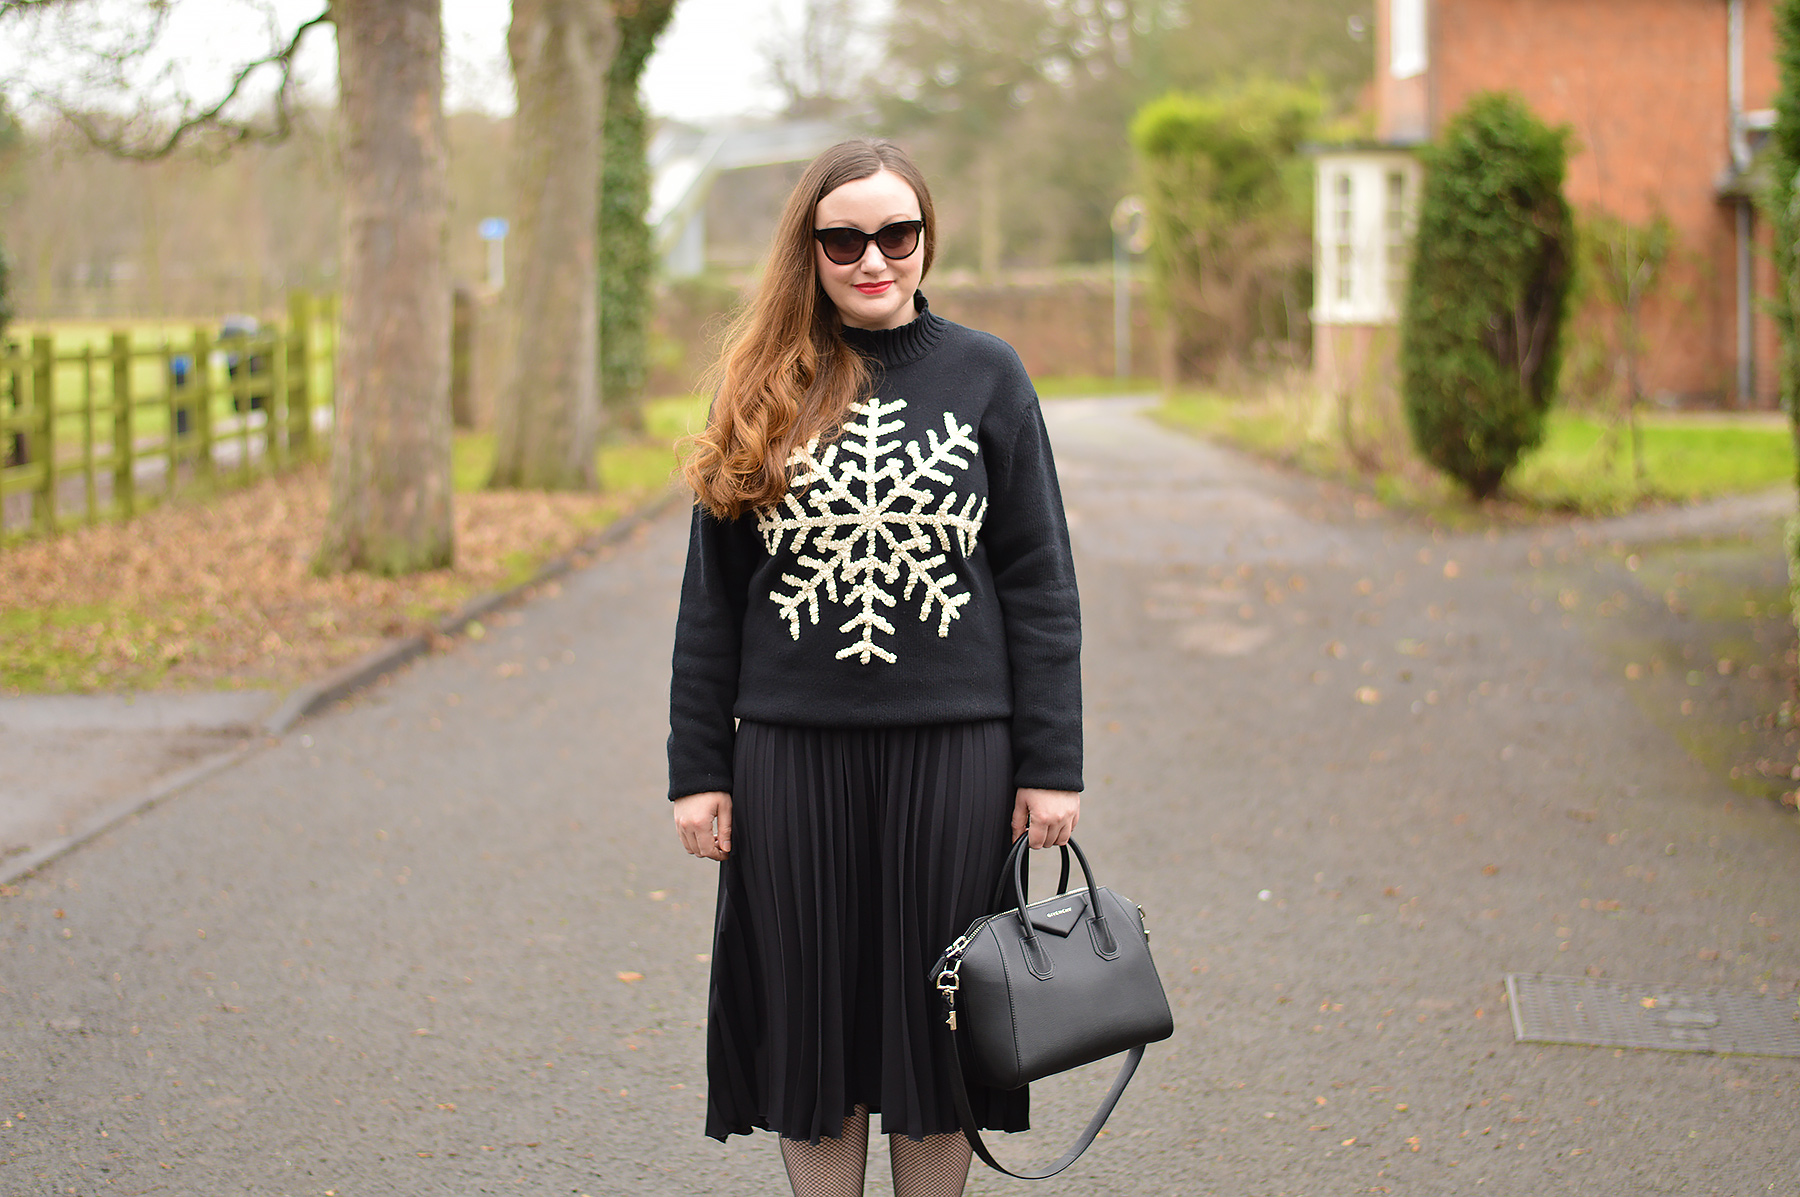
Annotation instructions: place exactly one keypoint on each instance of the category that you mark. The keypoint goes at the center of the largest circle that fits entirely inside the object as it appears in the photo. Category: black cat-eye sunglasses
(895, 241)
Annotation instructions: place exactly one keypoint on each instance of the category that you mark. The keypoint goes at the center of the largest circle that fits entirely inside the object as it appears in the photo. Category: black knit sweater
(917, 572)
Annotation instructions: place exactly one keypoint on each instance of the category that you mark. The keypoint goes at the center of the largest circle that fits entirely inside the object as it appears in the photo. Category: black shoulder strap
(963, 1111)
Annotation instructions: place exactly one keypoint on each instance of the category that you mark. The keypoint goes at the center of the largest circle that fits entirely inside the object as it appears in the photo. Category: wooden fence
(91, 431)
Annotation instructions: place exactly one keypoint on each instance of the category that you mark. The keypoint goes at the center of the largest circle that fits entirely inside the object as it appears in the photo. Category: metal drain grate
(1636, 1014)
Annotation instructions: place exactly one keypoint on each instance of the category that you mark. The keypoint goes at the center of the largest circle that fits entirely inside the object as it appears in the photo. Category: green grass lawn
(42, 649)
(1583, 466)
(1079, 386)
(1259, 427)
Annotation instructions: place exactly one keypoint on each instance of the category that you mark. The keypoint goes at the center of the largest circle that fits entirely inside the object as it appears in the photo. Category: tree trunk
(627, 257)
(462, 357)
(390, 460)
(548, 426)
(987, 224)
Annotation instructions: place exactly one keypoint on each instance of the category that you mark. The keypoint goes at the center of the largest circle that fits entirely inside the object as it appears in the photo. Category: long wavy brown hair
(787, 374)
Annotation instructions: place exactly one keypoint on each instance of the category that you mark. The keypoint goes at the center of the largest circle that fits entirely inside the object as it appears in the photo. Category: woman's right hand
(704, 821)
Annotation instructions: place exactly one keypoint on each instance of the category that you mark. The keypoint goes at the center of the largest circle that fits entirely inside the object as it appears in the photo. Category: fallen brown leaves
(221, 592)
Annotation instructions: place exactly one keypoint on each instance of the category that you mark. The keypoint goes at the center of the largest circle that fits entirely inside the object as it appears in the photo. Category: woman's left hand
(1052, 814)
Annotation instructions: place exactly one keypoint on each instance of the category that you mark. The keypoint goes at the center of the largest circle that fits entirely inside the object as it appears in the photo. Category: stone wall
(1060, 328)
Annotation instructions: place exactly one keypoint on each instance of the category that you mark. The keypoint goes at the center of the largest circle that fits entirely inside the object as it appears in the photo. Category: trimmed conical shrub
(1481, 337)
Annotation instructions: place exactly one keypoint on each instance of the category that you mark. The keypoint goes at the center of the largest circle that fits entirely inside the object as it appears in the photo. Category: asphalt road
(442, 939)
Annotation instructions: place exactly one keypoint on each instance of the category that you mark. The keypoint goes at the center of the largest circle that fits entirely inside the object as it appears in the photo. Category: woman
(880, 594)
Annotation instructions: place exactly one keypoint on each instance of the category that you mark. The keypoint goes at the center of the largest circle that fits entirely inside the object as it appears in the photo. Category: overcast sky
(710, 63)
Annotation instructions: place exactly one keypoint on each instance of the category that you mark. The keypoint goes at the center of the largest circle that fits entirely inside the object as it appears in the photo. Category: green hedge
(1229, 199)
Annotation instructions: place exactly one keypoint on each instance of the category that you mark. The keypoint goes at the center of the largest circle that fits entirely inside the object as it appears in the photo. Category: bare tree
(1018, 108)
(390, 471)
(817, 65)
(548, 427)
(109, 52)
(1626, 261)
(390, 460)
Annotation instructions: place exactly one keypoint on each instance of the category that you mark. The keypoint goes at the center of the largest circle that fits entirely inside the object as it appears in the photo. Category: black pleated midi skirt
(857, 855)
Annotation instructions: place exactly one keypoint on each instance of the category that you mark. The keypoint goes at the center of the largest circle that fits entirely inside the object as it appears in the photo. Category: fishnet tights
(938, 1166)
(830, 1167)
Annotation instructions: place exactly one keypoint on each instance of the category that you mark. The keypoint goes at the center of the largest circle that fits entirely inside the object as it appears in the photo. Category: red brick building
(1667, 99)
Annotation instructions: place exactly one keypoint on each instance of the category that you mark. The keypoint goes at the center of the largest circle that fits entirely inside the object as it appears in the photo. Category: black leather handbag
(1042, 988)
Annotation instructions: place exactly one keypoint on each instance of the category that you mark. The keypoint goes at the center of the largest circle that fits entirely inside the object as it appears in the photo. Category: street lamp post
(493, 231)
(1131, 235)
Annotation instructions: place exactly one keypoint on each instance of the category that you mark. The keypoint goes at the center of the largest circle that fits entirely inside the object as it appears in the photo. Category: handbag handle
(1015, 865)
(1105, 946)
(1001, 887)
(960, 1092)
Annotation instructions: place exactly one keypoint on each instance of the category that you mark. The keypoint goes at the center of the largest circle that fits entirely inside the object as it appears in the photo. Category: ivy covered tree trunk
(627, 256)
(390, 460)
(548, 422)
(1782, 205)
(1782, 202)
(6, 305)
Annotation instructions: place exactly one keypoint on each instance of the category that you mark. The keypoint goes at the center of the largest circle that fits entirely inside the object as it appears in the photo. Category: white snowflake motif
(856, 537)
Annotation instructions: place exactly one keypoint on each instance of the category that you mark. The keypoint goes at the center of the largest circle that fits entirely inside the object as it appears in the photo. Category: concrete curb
(1722, 516)
(1710, 520)
(108, 816)
(334, 687)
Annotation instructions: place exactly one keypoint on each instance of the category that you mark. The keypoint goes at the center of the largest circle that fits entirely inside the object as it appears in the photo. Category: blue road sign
(492, 229)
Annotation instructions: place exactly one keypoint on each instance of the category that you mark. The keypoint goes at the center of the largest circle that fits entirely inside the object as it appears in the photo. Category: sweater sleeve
(709, 632)
(1027, 538)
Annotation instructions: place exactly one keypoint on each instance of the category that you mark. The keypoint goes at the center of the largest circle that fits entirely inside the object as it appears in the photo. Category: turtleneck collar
(897, 346)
